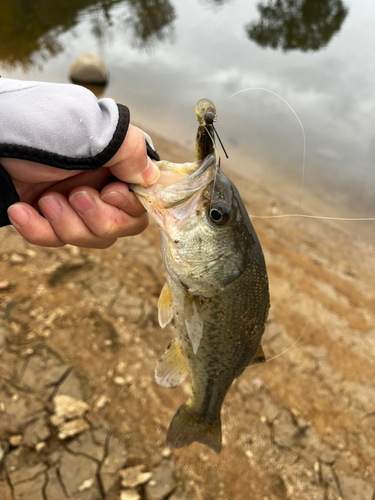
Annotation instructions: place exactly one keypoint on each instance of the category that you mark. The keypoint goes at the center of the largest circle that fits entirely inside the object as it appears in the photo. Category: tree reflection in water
(297, 24)
(30, 29)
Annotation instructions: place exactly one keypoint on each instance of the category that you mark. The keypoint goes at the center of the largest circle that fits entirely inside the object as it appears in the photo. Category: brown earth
(84, 323)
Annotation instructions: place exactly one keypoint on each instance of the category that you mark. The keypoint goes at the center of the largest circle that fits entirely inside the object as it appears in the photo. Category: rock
(36, 432)
(134, 476)
(15, 440)
(72, 428)
(2, 453)
(15, 258)
(67, 408)
(162, 483)
(130, 495)
(89, 68)
(101, 402)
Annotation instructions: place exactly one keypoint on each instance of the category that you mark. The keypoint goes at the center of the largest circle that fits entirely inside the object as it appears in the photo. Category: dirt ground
(83, 323)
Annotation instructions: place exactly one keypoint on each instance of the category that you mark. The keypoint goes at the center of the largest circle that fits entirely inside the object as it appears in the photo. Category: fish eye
(219, 213)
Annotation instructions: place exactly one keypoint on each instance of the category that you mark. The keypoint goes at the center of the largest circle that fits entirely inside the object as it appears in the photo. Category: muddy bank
(83, 324)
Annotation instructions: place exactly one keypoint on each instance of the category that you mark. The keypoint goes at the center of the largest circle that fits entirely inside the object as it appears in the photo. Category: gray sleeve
(60, 125)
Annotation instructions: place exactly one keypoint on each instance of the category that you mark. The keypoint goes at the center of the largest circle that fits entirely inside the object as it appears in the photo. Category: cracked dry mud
(83, 324)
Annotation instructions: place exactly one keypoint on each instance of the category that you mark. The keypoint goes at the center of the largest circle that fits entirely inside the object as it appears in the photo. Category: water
(165, 55)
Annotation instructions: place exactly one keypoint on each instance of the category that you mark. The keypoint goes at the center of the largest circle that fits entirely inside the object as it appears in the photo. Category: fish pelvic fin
(171, 369)
(165, 306)
(193, 321)
(186, 427)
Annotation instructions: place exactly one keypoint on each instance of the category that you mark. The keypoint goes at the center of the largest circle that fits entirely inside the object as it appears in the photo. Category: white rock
(134, 476)
(101, 402)
(72, 428)
(87, 484)
(15, 440)
(129, 495)
(89, 68)
(67, 408)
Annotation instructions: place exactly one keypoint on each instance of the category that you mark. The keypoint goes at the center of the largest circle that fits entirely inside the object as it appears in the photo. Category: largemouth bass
(216, 289)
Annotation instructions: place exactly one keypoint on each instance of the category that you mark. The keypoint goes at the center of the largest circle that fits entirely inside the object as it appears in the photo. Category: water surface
(165, 55)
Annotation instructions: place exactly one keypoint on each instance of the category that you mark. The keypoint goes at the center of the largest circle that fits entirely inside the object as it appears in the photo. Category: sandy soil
(301, 426)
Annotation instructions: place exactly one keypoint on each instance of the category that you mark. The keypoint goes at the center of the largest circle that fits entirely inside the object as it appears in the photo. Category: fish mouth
(167, 192)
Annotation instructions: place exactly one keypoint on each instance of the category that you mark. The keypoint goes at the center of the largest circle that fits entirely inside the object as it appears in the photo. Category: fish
(216, 290)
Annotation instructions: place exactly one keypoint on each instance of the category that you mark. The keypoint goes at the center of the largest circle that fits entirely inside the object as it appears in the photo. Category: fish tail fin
(186, 427)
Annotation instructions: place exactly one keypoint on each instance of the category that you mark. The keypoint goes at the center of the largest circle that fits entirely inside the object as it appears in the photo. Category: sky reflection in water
(164, 55)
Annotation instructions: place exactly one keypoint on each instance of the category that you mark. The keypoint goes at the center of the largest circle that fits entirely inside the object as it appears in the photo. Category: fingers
(106, 220)
(119, 195)
(131, 163)
(32, 226)
(85, 220)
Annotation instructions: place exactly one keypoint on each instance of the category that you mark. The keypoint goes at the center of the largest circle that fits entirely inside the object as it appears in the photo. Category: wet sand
(299, 427)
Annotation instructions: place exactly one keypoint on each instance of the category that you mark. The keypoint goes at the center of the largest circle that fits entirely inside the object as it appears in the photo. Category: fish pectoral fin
(171, 369)
(259, 356)
(193, 321)
(165, 306)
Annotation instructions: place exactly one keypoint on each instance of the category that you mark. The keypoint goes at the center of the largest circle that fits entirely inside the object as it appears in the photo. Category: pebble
(134, 476)
(72, 428)
(4, 284)
(67, 408)
(119, 381)
(15, 440)
(129, 495)
(15, 258)
(101, 402)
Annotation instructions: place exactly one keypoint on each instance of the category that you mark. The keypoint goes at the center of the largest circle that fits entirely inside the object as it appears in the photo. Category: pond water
(164, 55)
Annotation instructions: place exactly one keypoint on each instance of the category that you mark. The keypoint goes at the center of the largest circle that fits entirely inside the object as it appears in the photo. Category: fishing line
(358, 219)
(299, 121)
(217, 166)
(313, 217)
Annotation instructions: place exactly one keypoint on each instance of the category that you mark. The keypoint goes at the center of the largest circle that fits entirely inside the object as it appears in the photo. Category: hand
(79, 207)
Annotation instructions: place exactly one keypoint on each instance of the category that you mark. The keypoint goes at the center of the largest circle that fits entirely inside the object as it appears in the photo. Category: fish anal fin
(172, 369)
(165, 306)
(193, 321)
(186, 427)
(259, 356)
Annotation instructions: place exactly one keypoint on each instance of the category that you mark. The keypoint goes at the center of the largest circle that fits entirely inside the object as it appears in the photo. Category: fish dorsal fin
(165, 306)
(193, 320)
(171, 369)
(259, 356)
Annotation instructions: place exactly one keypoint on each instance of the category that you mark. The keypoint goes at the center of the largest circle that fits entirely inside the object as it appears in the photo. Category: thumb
(131, 164)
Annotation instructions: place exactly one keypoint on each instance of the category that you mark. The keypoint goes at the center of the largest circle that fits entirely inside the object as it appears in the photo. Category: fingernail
(114, 198)
(18, 215)
(50, 207)
(82, 201)
(151, 173)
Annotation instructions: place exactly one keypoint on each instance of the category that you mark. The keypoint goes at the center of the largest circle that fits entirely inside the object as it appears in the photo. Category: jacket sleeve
(60, 125)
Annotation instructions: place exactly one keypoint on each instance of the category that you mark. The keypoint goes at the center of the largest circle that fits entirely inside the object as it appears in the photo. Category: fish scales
(216, 290)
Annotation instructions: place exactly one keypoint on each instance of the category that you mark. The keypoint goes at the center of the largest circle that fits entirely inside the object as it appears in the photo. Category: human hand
(79, 207)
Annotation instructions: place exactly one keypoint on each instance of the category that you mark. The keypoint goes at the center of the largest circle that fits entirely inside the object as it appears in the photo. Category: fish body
(216, 290)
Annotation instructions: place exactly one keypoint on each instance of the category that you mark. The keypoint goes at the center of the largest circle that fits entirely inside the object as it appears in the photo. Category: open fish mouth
(177, 183)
